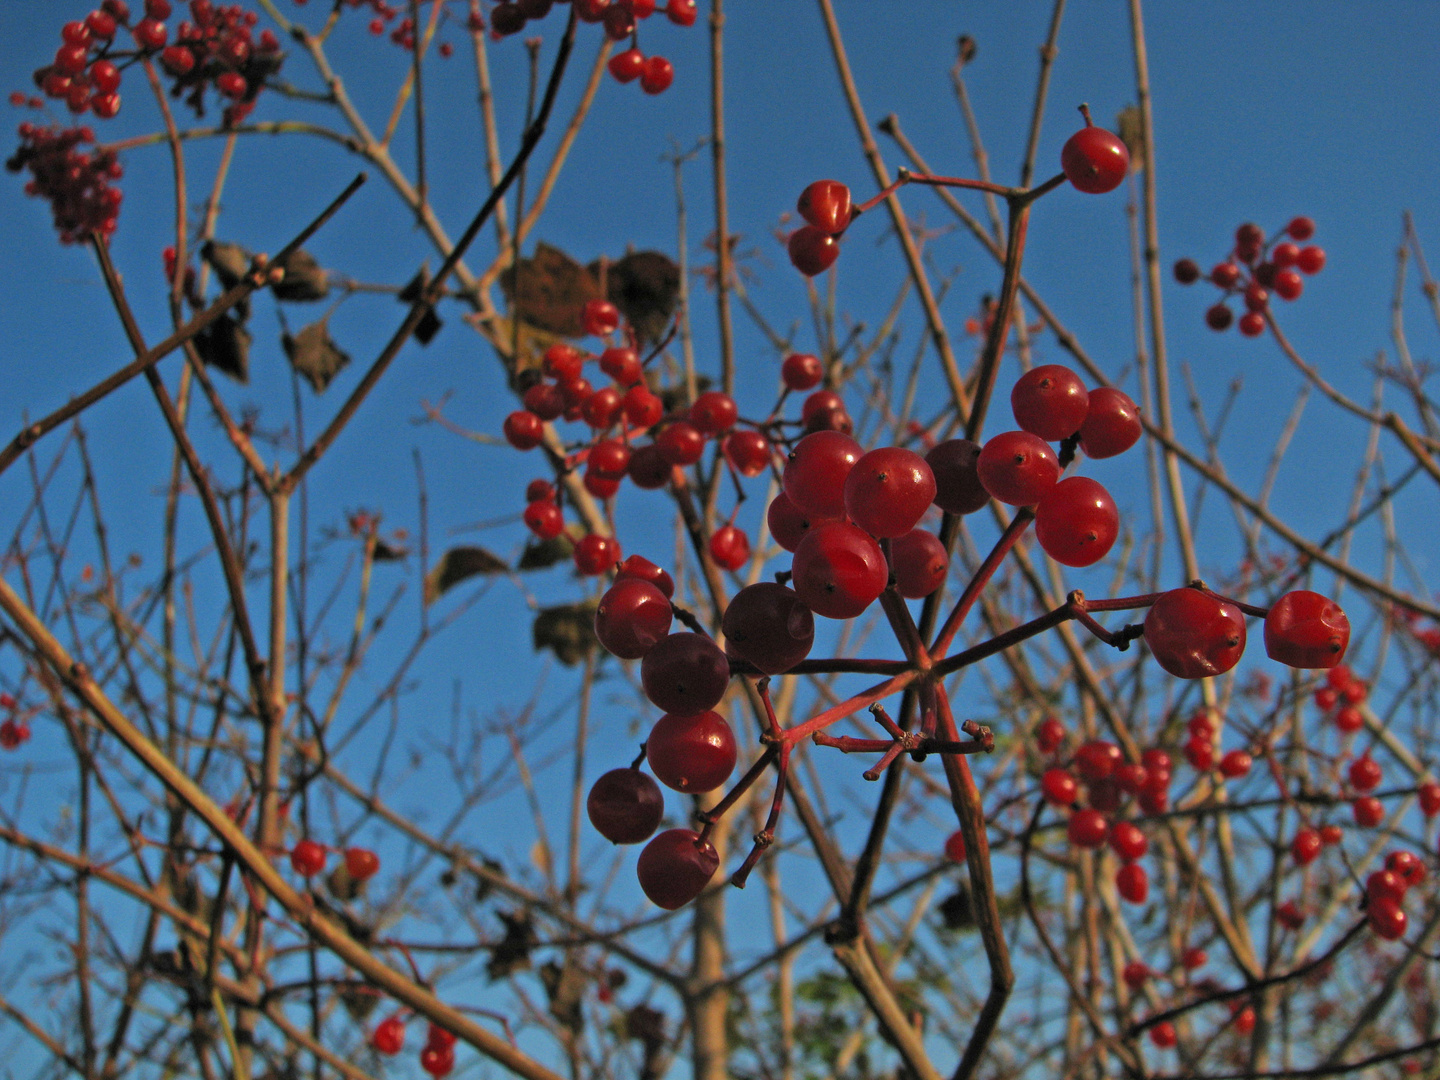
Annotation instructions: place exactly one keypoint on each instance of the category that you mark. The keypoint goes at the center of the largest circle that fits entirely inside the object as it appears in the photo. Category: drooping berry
(677, 865)
(693, 754)
(730, 547)
(767, 625)
(625, 806)
(812, 250)
(748, 451)
(1111, 425)
(825, 204)
(839, 570)
(1095, 160)
(389, 1036)
(632, 618)
(1050, 401)
(1193, 634)
(686, 673)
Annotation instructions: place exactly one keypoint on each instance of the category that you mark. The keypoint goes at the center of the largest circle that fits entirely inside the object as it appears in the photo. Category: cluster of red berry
(14, 730)
(1256, 268)
(218, 48)
(76, 182)
(620, 18)
(308, 858)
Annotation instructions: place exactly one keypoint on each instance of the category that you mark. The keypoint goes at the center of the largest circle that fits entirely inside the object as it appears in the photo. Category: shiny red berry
(1087, 828)
(692, 754)
(1050, 401)
(919, 562)
(729, 547)
(389, 1036)
(1059, 787)
(625, 806)
(888, 490)
(307, 858)
(1132, 883)
(676, 866)
(1193, 634)
(801, 371)
(657, 75)
(1018, 468)
(748, 451)
(825, 204)
(1076, 522)
(1111, 425)
(361, 863)
(839, 570)
(816, 472)
(1306, 630)
(767, 625)
(632, 618)
(812, 250)
(1095, 160)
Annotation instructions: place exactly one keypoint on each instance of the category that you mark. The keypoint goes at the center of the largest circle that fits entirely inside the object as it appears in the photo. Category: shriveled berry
(1306, 630)
(1193, 634)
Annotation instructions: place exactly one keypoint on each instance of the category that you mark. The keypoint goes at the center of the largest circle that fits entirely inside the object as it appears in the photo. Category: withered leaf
(645, 286)
(385, 552)
(456, 565)
(512, 952)
(540, 554)
(359, 1000)
(314, 354)
(484, 885)
(646, 1024)
(565, 987)
(430, 323)
(304, 279)
(1132, 134)
(956, 912)
(965, 49)
(230, 262)
(549, 290)
(225, 346)
(568, 631)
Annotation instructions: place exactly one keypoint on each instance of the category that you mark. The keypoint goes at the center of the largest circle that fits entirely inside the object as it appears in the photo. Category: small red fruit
(1127, 841)
(1050, 401)
(1235, 764)
(1111, 425)
(1386, 918)
(307, 858)
(657, 75)
(632, 618)
(839, 570)
(1429, 794)
(801, 371)
(1018, 468)
(1132, 883)
(1369, 811)
(919, 562)
(729, 547)
(748, 451)
(625, 806)
(1087, 828)
(389, 1036)
(676, 866)
(693, 754)
(958, 489)
(812, 250)
(955, 846)
(1163, 1035)
(361, 863)
(524, 430)
(1193, 634)
(767, 625)
(1059, 787)
(1095, 160)
(888, 490)
(1306, 630)
(1306, 846)
(1365, 773)
(825, 204)
(600, 318)
(1076, 522)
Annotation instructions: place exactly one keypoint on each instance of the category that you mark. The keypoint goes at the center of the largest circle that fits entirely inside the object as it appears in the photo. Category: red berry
(1290, 915)
(1059, 787)
(524, 430)
(544, 519)
(1289, 284)
(105, 106)
(1087, 828)
(1407, 865)
(150, 34)
(1186, 271)
(748, 451)
(1349, 720)
(825, 204)
(1132, 883)
(1076, 522)
(1049, 734)
(439, 1037)
(628, 65)
(1095, 160)
(1218, 317)
(788, 525)
(729, 547)
(1132, 778)
(1192, 958)
(600, 318)
(1311, 260)
(1136, 974)
(562, 362)
(713, 413)
(1365, 773)
(1385, 885)
(438, 1061)
(767, 625)
(1018, 468)
(1127, 841)
(545, 401)
(1326, 697)
(1386, 918)
(622, 365)
(1050, 401)
(1200, 753)
(1096, 759)
(1301, 228)
(801, 371)
(955, 846)
(1225, 274)
(657, 75)
(1284, 255)
(1306, 630)
(1306, 846)
(681, 444)
(602, 408)
(104, 77)
(888, 490)
(595, 554)
(1265, 274)
(1244, 1022)
(812, 250)
(389, 1036)
(632, 618)
(591, 11)
(676, 866)
(681, 12)
(1429, 794)
(1248, 240)
(642, 408)
(625, 806)
(839, 570)
(232, 84)
(693, 754)
(919, 562)
(1251, 324)
(619, 22)
(685, 674)
(1369, 811)
(610, 458)
(955, 464)
(1235, 764)
(1330, 835)
(1111, 425)
(1193, 634)
(361, 863)
(1104, 795)
(816, 472)
(101, 24)
(637, 566)
(307, 858)
(824, 410)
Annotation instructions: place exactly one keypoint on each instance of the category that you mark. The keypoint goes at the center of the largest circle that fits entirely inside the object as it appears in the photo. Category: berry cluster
(620, 18)
(217, 49)
(14, 731)
(76, 182)
(1256, 268)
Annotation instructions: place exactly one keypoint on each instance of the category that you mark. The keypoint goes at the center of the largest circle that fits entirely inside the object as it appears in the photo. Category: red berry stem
(709, 817)
(766, 836)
